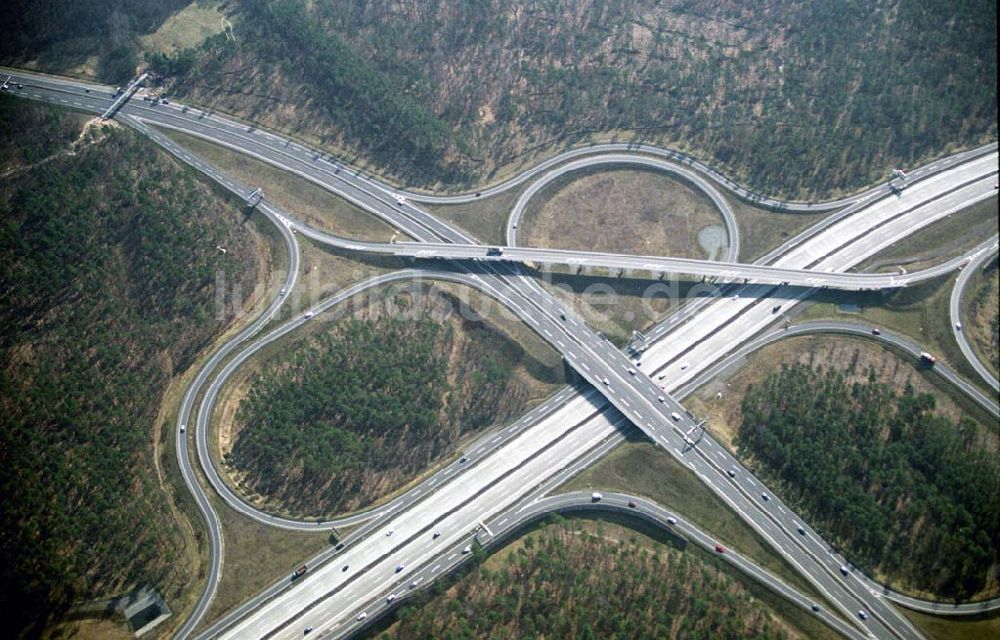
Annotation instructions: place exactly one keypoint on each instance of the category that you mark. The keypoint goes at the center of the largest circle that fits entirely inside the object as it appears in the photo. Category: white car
(676, 416)
(671, 520)
(467, 549)
(309, 314)
(362, 616)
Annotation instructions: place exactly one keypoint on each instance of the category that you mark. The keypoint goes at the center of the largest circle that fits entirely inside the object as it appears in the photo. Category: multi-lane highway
(524, 463)
(907, 223)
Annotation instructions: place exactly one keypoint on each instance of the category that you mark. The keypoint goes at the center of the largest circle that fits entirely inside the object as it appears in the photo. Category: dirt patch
(622, 211)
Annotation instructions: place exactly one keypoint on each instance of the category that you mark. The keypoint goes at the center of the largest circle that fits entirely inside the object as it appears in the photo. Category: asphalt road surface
(633, 393)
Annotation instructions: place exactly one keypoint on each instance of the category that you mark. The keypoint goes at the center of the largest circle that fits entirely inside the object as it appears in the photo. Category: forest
(359, 410)
(847, 89)
(566, 582)
(107, 290)
(447, 93)
(901, 490)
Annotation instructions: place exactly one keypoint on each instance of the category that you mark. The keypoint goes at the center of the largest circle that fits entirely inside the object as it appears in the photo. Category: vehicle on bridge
(494, 251)
(928, 358)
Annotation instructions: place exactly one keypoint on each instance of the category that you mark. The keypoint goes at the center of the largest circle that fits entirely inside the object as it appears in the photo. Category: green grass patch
(643, 469)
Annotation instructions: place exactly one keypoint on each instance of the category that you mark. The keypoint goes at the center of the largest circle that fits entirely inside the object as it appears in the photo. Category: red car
(719, 548)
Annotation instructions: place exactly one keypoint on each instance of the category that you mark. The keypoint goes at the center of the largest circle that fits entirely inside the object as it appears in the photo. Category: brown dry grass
(308, 202)
(982, 307)
(955, 628)
(839, 352)
(257, 555)
(797, 623)
(90, 630)
(762, 229)
(621, 211)
(486, 219)
(536, 374)
(644, 469)
(935, 243)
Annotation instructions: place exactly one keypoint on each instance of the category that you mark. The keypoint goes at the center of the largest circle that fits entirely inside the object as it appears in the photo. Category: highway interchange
(580, 420)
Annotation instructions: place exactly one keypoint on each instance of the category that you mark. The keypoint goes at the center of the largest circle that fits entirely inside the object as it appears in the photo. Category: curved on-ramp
(955, 310)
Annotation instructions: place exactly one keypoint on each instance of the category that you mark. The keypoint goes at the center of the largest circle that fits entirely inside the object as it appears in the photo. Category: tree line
(565, 582)
(107, 286)
(904, 491)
